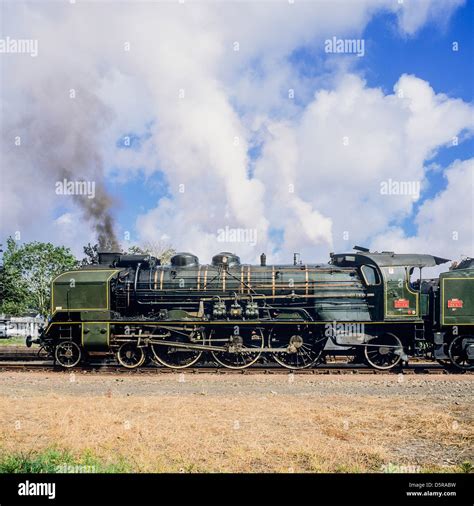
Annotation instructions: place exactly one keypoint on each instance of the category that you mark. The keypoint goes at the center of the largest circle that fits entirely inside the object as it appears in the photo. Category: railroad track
(19, 358)
(108, 368)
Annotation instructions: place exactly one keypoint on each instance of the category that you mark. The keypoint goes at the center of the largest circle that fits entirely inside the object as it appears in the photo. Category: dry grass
(240, 433)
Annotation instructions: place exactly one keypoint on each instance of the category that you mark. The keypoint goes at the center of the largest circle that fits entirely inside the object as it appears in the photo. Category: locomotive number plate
(401, 303)
(453, 303)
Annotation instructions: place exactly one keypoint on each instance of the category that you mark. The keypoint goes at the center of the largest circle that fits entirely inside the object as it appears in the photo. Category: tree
(158, 249)
(14, 293)
(27, 274)
(92, 254)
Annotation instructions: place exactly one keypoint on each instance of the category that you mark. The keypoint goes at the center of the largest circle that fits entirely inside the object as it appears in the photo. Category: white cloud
(415, 13)
(445, 222)
(347, 142)
(65, 227)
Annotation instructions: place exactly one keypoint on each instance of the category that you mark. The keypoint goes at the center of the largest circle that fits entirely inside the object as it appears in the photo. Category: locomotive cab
(386, 276)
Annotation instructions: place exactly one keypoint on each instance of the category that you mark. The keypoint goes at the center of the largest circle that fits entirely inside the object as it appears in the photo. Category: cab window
(371, 276)
(414, 278)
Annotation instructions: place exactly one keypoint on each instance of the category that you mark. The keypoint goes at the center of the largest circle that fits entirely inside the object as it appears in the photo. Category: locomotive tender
(360, 303)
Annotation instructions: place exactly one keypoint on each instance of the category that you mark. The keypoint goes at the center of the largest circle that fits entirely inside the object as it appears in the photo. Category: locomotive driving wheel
(174, 357)
(457, 352)
(68, 354)
(238, 354)
(130, 355)
(303, 348)
(384, 352)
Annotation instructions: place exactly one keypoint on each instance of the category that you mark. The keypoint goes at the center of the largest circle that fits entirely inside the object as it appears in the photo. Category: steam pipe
(136, 280)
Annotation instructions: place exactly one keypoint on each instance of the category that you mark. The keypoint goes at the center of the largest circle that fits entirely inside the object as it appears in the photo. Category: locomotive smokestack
(263, 259)
(108, 257)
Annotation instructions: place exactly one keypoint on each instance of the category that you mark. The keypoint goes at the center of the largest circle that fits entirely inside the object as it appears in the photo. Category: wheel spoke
(233, 359)
(175, 357)
(457, 352)
(381, 351)
(303, 349)
(68, 354)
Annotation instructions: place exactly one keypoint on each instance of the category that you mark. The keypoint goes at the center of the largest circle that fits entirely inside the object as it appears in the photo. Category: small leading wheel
(68, 354)
(457, 352)
(303, 349)
(239, 353)
(384, 352)
(130, 355)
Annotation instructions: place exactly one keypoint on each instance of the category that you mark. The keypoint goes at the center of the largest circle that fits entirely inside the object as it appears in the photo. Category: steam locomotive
(361, 304)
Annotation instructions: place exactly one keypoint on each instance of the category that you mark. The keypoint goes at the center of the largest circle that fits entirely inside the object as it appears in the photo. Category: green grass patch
(13, 341)
(55, 460)
(466, 467)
